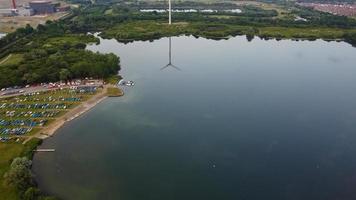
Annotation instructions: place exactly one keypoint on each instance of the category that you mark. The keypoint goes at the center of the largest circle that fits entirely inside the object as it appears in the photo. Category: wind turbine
(170, 40)
(169, 12)
(170, 58)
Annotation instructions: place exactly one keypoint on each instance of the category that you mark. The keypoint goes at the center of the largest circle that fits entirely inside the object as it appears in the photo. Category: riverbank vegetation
(251, 22)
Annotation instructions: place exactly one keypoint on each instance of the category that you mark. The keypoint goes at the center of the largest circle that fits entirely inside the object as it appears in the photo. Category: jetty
(44, 150)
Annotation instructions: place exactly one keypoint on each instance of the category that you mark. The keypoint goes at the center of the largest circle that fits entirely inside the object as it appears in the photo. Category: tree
(31, 194)
(19, 175)
(64, 74)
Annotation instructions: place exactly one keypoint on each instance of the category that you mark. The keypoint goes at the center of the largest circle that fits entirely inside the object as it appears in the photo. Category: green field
(323, 33)
(11, 59)
(70, 39)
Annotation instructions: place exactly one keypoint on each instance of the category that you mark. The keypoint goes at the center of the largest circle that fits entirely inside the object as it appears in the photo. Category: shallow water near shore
(237, 120)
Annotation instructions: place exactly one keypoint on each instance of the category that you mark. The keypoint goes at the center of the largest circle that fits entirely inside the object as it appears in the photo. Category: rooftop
(40, 1)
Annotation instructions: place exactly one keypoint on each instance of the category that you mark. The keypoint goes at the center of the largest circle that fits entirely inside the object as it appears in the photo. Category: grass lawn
(70, 40)
(11, 59)
(324, 33)
(114, 92)
(282, 12)
(108, 12)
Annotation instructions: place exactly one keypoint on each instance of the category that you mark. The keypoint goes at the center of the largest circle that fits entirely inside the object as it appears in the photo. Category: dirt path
(7, 58)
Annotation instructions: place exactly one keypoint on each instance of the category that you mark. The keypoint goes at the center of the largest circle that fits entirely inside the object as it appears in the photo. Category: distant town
(39, 7)
(17, 13)
(336, 9)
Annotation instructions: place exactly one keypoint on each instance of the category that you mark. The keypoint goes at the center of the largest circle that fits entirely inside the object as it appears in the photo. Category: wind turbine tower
(169, 12)
(13, 4)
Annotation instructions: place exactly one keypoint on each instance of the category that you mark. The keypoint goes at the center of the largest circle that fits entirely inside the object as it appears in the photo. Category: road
(16, 92)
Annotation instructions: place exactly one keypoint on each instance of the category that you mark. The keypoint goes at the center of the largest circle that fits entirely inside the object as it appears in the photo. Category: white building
(26, 11)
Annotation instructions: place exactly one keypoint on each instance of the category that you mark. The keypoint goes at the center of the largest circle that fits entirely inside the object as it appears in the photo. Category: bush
(19, 175)
(31, 194)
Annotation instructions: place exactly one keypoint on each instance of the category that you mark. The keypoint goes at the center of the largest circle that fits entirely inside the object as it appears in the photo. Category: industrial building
(8, 12)
(42, 7)
(63, 8)
(26, 11)
(36, 7)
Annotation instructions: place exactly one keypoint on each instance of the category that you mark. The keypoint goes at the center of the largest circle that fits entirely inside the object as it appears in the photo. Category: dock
(44, 150)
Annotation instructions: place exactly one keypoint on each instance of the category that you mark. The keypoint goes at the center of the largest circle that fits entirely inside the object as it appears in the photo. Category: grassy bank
(9, 151)
(114, 92)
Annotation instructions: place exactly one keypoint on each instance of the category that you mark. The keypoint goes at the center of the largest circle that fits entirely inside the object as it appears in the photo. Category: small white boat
(126, 83)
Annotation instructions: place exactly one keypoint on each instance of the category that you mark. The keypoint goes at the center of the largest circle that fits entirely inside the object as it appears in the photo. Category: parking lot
(29, 112)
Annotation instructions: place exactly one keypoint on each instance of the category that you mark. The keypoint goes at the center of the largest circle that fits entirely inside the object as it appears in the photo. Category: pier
(44, 150)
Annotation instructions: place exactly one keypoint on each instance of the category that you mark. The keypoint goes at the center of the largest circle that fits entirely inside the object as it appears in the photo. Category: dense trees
(40, 65)
(53, 52)
(19, 33)
(351, 38)
(20, 175)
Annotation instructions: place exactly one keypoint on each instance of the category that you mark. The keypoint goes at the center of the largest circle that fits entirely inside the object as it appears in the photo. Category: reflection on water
(170, 57)
(242, 120)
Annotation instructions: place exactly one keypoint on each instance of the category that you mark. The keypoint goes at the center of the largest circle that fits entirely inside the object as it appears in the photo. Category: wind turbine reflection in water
(170, 58)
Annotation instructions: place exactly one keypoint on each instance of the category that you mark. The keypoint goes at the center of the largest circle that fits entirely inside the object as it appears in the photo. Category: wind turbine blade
(165, 67)
(175, 67)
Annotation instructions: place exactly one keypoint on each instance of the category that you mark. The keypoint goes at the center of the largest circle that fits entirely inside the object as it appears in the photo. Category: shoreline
(72, 114)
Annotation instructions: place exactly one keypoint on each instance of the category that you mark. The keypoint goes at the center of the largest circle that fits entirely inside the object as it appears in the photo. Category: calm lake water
(273, 120)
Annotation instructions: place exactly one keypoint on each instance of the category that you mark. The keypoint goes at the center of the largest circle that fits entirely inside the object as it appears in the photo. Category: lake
(231, 119)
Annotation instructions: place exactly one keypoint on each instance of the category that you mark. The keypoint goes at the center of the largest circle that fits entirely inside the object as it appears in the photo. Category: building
(8, 12)
(26, 11)
(63, 8)
(42, 7)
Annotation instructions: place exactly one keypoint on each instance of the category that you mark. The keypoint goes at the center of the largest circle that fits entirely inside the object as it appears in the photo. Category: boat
(126, 83)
